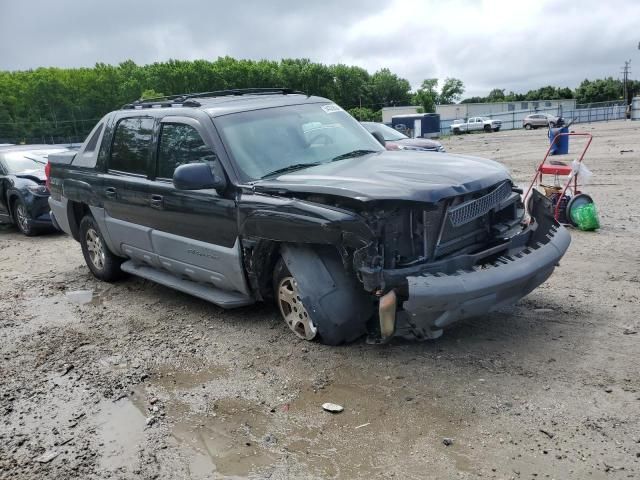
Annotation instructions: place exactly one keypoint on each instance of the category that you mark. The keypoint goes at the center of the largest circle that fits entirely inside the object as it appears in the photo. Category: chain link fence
(587, 113)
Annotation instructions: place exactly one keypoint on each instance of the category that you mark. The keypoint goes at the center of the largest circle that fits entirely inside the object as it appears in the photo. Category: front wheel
(101, 261)
(22, 219)
(487, 128)
(288, 298)
(527, 126)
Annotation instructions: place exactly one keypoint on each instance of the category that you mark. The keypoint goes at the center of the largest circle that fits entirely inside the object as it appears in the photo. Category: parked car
(23, 193)
(395, 140)
(536, 120)
(249, 195)
(475, 124)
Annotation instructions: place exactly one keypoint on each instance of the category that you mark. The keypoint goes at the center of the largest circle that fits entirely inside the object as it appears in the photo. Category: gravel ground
(144, 382)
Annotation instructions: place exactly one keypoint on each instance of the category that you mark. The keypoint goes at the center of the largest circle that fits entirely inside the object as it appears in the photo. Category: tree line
(63, 104)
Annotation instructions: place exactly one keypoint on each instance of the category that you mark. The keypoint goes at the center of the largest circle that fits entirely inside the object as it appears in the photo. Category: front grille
(468, 211)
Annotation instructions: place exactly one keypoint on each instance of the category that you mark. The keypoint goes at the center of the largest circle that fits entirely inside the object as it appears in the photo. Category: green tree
(427, 95)
(451, 92)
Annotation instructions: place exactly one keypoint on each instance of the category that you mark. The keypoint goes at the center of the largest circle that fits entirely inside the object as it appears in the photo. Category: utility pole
(625, 78)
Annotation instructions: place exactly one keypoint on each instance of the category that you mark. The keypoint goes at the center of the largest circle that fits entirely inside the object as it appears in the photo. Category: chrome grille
(468, 211)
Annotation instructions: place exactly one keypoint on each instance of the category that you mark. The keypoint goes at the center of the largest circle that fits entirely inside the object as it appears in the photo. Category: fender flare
(337, 302)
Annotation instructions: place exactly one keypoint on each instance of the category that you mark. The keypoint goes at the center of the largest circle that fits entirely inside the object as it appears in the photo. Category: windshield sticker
(331, 108)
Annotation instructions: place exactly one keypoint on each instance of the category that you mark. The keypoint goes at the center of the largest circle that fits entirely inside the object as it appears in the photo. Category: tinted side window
(131, 145)
(180, 144)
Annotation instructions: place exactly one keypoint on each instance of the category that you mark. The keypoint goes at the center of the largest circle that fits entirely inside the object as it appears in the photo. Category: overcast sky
(487, 44)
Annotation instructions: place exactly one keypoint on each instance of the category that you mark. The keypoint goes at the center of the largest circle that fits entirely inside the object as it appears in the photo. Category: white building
(388, 112)
(466, 110)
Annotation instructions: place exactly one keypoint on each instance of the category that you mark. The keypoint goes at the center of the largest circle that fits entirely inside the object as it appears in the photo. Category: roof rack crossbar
(185, 98)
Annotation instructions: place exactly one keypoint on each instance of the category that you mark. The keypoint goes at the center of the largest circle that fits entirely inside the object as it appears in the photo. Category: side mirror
(197, 176)
(378, 136)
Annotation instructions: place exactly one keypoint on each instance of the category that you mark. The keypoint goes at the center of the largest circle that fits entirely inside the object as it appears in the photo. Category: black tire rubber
(456, 131)
(527, 126)
(28, 229)
(487, 128)
(110, 271)
(341, 308)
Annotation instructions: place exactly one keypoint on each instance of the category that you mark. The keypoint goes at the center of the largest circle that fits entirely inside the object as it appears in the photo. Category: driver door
(194, 232)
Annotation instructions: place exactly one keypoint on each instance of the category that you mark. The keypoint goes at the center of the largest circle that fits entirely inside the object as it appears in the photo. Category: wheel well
(13, 197)
(75, 213)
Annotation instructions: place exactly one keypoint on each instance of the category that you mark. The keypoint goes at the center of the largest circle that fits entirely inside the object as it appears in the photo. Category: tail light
(47, 174)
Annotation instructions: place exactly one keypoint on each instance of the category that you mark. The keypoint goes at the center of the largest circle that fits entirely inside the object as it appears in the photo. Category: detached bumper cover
(437, 300)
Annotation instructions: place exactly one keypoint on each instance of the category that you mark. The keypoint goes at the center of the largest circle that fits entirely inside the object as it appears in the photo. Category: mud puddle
(120, 430)
(234, 437)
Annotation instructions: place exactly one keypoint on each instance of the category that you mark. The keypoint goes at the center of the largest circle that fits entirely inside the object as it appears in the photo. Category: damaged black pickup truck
(267, 194)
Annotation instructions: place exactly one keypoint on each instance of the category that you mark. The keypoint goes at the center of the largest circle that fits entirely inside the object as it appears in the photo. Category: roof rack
(186, 99)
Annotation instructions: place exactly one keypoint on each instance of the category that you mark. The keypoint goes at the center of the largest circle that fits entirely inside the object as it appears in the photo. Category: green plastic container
(585, 217)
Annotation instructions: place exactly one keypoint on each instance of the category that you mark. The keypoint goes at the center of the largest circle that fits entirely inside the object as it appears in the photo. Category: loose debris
(332, 407)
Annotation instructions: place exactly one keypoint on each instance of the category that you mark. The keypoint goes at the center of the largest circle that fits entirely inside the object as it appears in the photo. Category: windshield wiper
(291, 168)
(353, 153)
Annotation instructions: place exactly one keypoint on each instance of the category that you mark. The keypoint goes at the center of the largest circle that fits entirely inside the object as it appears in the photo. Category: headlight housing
(38, 189)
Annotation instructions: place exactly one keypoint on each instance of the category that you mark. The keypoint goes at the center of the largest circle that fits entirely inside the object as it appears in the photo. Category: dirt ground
(139, 381)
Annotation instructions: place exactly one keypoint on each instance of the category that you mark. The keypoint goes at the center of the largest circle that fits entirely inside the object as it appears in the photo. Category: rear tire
(22, 220)
(103, 263)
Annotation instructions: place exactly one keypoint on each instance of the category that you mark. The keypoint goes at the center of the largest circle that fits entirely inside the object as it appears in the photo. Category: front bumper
(436, 300)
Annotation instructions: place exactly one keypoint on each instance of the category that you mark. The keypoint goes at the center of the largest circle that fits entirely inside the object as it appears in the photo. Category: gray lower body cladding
(437, 301)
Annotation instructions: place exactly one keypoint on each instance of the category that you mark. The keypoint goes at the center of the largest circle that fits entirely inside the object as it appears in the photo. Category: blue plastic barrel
(561, 146)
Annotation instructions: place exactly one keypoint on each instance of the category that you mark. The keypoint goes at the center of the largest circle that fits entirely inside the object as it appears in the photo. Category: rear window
(131, 147)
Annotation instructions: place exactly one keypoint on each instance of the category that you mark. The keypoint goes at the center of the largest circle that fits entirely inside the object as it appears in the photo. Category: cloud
(487, 44)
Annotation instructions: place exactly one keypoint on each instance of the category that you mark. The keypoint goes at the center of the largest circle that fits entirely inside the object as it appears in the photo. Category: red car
(395, 140)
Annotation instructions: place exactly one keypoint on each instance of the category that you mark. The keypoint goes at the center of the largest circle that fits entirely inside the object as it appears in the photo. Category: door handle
(156, 201)
(110, 192)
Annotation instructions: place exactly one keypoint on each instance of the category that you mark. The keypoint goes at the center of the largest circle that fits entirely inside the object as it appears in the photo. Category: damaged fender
(338, 306)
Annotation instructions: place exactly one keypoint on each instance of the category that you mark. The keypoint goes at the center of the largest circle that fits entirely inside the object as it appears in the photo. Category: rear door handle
(110, 192)
(156, 201)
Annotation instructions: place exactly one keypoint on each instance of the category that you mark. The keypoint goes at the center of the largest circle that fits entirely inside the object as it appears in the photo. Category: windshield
(266, 141)
(23, 161)
(389, 134)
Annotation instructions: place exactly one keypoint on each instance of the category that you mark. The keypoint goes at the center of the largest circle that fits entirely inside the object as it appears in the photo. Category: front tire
(487, 128)
(103, 263)
(527, 126)
(22, 219)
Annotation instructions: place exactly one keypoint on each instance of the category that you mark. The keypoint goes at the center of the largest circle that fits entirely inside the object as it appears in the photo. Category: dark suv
(245, 195)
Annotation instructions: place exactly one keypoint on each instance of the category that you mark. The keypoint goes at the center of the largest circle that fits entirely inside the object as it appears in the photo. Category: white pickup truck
(475, 124)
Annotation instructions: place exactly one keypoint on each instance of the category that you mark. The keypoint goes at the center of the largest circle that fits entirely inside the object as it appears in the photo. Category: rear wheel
(22, 219)
(292, 310)
(101, 261)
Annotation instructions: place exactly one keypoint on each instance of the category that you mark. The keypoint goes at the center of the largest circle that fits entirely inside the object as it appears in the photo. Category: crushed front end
(435, 264)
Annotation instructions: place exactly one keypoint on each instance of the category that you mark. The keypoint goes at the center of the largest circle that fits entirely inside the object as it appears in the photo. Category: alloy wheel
(22, 217)
(293, 311)
(95, 248)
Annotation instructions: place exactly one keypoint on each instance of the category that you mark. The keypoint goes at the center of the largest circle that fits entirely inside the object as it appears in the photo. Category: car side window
(180, 144)
(131, 145)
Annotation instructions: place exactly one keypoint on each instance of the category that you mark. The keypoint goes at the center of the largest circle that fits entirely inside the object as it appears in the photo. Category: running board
(222, 298)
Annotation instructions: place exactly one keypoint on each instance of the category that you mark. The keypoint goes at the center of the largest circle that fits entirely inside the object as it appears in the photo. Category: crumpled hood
(36, 175)
(388, 175)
